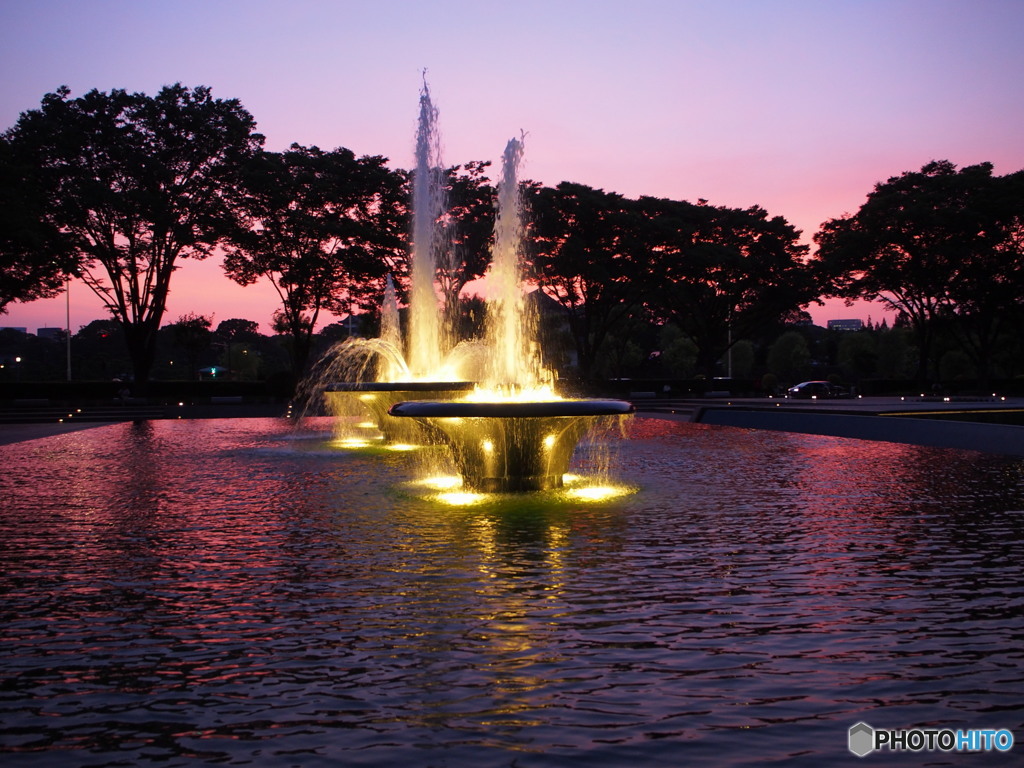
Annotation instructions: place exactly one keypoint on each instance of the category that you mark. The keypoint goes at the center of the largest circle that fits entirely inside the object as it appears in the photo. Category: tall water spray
(515, 365)
(390, 332)
(428, 342)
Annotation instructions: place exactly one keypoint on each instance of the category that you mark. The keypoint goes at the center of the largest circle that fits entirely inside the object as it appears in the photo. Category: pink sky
(799, 106)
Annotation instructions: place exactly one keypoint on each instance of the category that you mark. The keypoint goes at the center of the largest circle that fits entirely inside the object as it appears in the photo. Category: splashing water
(428, 342)
(515, 368)
(391, 334)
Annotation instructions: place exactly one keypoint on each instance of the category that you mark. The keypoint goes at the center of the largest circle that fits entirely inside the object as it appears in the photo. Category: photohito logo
(862, 740)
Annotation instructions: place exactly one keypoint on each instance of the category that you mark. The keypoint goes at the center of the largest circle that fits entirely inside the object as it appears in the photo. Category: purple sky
(799, 106)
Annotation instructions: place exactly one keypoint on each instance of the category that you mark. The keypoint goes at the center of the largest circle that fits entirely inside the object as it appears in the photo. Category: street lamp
(67, 327)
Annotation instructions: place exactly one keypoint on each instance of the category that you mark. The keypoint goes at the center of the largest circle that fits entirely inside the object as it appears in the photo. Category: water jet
(513, 433)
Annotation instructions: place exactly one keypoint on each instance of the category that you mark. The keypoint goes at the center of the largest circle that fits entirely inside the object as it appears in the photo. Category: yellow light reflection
(549, 443)
(352, 442)
(488, 445)
(596, 492)
(512, 394)
(461, 498)
(401, 447)
(366, 425)
(441, 482)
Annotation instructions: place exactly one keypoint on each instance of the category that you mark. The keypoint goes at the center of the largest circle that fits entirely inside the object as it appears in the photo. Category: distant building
(845, 325)
(12, 328)
(53, 334)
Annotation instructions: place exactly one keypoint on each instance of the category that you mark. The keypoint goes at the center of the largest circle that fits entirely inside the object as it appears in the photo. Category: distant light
(488, 446)
(549, 441)
(180, 405)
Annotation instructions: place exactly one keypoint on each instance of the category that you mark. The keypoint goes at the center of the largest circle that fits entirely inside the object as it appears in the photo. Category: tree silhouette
(586, 256)
(36, 256)
(191, 332)
(136, 183)
(722, 273)
(932, 242)
(324, 228)
(469, 222)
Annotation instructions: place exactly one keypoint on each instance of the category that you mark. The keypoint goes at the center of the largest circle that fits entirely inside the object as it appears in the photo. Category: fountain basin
(511, 446)
(377, 397)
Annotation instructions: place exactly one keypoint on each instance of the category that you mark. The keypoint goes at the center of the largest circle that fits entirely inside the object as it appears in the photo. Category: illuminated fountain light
(378, 397)
(511, 446)
(514, 433)
(368, 376)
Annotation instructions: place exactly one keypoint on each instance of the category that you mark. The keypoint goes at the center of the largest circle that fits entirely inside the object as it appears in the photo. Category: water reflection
(230, 592)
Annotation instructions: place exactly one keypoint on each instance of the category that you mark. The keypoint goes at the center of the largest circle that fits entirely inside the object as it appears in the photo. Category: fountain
(513, 433)
(431, 368)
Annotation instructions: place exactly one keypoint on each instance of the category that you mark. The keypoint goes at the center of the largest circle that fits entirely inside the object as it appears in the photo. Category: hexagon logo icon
(861, 739)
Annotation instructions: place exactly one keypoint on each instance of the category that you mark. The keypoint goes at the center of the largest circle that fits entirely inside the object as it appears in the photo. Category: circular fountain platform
(510, 410)
(400, 386)
(511, 446)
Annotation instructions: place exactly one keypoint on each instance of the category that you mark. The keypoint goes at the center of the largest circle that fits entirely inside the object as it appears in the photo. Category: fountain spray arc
(515, 368)
(513, 433)
(422, 364)
(429, 341)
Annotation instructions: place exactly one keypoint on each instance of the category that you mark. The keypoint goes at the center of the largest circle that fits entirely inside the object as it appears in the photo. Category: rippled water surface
(227, 592)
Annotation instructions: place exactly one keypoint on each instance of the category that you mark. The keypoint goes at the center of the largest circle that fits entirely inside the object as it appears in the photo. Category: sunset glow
(797, 106)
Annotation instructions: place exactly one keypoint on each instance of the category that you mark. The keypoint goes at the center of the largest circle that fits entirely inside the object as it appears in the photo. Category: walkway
(993, 425)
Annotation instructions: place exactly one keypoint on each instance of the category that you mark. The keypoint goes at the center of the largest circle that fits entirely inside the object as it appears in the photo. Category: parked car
(816, 390)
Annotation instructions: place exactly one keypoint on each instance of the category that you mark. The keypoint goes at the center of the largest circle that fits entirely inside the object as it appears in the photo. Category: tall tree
(722, 273)
(984, 296)
(136, 183)
(586, 257)
(931, 242)
(324, 228)
(36, 257)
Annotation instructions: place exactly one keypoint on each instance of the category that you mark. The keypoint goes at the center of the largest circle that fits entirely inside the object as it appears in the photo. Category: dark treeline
(116, 188)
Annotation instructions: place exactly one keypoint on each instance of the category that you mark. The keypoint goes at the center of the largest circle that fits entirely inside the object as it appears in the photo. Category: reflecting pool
(232, 592)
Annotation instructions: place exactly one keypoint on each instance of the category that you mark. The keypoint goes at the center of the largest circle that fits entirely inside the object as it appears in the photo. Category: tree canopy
(722, 273)
(932, 242)
(587, 257)
(37, 256)
(132, 183)
(325, 228)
